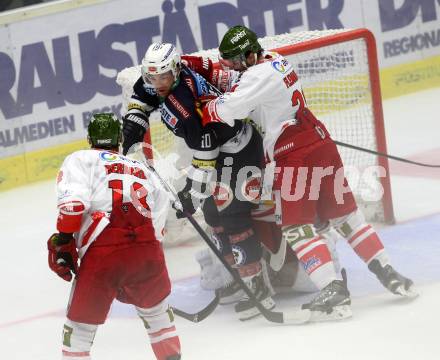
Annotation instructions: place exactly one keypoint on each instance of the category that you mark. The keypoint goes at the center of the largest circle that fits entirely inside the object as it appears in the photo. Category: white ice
(32, 298)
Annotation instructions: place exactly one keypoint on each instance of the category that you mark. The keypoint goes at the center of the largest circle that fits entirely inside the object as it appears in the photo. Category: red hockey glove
(63, 256)
(209, 113)
(199, 64)
(201, 103)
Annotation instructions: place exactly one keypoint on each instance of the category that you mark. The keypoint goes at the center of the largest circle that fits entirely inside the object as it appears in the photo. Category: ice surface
(383, 327)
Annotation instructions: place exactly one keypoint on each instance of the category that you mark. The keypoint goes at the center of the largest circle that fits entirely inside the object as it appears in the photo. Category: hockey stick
(298, 316)
(384, 155)
(208, 309)
(200, 315)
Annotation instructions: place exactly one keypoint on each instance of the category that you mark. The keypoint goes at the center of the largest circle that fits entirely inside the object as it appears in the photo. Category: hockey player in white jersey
(269, 92)
(112, 212)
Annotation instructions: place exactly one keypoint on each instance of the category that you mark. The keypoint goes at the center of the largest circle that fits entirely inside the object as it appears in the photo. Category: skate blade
(338, 313)
(410, 293)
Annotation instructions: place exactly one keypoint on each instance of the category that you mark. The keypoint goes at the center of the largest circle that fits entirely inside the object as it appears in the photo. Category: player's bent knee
(157, 317)
(78, 339)
(330, 236)
(349, 224)
(322, 227)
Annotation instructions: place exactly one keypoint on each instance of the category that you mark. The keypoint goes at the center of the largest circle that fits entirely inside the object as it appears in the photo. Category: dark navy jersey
(179, 111)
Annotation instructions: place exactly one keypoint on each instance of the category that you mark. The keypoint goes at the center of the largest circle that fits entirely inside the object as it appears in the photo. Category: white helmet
(159, 59)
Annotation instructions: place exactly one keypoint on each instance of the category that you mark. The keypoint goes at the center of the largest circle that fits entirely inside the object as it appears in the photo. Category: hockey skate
(230, 293)
(332, 303)
(246, 308)
(392, 280)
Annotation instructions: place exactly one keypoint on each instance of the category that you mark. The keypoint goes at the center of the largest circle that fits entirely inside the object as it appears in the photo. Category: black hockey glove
(191, 196)
(133, 132)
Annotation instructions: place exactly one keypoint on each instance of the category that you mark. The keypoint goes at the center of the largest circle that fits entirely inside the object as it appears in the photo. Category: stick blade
(200, 315)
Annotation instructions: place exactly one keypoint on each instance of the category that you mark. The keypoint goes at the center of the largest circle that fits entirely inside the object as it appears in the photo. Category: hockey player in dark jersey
(222, 155)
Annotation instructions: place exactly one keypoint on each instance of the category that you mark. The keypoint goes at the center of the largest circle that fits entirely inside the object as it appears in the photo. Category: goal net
(339, 73)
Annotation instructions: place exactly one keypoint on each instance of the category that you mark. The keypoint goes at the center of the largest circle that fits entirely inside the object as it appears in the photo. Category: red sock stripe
(359, 233)
(163, 331)
(78, 354)
(369, 247)
(301, 248)
(166, 348)
(315, 258)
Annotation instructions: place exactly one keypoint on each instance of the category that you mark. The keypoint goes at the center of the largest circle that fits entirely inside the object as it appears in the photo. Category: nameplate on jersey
(179, 106)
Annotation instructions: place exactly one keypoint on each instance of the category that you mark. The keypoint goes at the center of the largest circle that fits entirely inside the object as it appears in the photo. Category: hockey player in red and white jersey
(112, 212)
(269, 92)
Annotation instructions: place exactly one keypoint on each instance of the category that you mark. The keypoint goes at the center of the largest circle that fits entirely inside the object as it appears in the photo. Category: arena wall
(59, 61)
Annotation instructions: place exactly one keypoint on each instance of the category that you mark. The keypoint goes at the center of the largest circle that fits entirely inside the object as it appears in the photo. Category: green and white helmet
(104, 131)
(237, 43)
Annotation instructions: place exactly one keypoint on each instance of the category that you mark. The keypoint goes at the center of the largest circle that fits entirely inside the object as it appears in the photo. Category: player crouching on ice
(112, 212)
(269, 92)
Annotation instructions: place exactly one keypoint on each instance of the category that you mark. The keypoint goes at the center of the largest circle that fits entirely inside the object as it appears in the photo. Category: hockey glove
(63, 256)
(133, 131)
(199, 64)
(191, 197)
(209, 113)
(202, 101)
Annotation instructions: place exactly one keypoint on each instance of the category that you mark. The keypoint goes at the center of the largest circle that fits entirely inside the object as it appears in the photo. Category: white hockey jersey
(95, 179)
(269, 93)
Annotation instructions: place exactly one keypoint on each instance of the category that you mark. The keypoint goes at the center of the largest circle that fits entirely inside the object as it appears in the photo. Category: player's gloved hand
(132, 130)
(63, 256)
(202, 101)
(191, 197)
(209, 113)
(201, 65)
